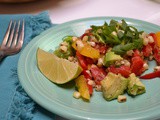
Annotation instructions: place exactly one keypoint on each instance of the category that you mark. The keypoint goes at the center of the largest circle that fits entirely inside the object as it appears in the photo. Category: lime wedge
(57, 70)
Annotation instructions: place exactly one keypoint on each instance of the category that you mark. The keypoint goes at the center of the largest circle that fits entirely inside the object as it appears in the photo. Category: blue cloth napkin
(15, 104)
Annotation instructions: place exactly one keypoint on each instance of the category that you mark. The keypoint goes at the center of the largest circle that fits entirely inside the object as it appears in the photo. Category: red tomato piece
(137, 65)
(136, 53)
(98, 74)
(157, 54)
(101, 47)
(147, 50)
(154, 37)
(123, 70)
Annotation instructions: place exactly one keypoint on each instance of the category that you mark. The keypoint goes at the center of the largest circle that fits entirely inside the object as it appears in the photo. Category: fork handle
(1, 55)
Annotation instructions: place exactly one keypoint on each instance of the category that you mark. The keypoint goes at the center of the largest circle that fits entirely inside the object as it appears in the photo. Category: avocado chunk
(110, 58)
(113, 85)
(135, 86)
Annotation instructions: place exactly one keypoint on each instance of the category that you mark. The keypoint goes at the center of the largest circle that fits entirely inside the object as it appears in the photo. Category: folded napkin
(15, 104)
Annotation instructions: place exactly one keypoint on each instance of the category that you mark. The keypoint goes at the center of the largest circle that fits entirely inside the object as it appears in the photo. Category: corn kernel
(76, 95)
(63, 48)
(151, 40)
(145, 66)
(145, 41)
(122, 98)
(98, 88)
(85, 38)
(79, 44)
(156, 68)
(74, 39)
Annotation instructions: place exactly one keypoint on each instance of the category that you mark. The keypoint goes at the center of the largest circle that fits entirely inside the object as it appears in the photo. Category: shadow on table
(36, 6)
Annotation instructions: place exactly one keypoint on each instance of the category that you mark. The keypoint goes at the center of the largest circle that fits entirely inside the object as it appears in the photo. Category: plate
(59, 99)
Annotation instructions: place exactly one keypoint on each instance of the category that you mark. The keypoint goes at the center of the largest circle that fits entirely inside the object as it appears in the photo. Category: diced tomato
(137, 65)
(155, 38)
(98, 73)
(123, 70)
(157, 54)
(101, 47)
(147, 50)
(136, 53)
(82, 61)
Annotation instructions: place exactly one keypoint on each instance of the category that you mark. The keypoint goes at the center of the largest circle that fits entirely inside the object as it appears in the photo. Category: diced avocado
(135, 86)
(113, 85)
(110, 58)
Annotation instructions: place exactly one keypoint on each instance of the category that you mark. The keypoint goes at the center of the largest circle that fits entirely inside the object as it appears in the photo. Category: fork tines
(14, 35)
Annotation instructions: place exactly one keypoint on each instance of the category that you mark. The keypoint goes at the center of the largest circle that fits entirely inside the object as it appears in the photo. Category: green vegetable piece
(104, 33)
(68, 39)
(112, 40)
(110, 58)
(124, 25)
(135, 86)
(113, 23)
(138, 43)
(129, 34)
(122, 49)
(113, 85)
(100, 37)
(120, 34)
(70, 51)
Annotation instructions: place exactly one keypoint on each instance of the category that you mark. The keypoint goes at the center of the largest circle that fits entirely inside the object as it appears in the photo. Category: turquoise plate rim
(69, 112)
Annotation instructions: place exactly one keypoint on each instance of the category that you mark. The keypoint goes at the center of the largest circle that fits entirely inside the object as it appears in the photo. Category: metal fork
(13, 39)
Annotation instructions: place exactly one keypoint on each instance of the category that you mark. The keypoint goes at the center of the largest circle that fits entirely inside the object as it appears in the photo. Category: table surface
(61, 11)
(65, 10)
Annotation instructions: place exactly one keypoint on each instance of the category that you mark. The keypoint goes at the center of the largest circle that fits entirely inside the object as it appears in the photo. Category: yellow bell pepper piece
(87, 50)
(158, 38)
(82, 87)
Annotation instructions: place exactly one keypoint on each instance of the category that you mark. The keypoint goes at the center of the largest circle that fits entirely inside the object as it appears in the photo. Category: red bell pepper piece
(85, 34)
(90, 88)
(89, 60)
(88, 77)
(151, 75)
(82, 61)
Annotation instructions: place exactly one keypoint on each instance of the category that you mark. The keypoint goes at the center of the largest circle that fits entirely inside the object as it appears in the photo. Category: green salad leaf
(119, 35)
(122, 49)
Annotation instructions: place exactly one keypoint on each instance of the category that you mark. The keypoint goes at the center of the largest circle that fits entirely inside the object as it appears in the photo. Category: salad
(112, 57)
